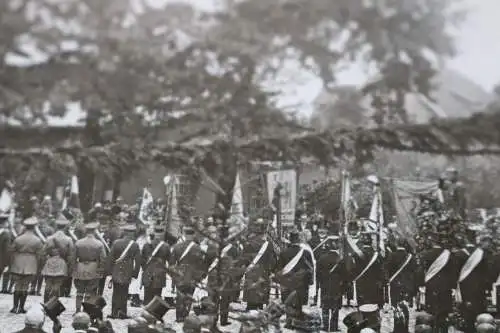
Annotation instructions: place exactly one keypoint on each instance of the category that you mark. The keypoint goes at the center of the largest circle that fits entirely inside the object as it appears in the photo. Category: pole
(278, 212)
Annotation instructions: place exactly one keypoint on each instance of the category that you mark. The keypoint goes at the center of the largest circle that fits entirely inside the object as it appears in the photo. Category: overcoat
(26, 252)
(124, 270)
(155, 268)
(58, 253)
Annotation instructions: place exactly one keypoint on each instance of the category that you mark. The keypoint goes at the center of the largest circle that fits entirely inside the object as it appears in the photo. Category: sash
(72, 235)
(155, 251)
(354, 288)
(437, 265)
(333, 268)
(292, 263)
(125, 251)
(395, 275)
(186, 251)
(471, 263)
(259, 255)
(354, 246)
(40, 235)
(216, 260)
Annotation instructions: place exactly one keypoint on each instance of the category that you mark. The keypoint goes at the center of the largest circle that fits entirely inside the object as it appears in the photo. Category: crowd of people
(450, 284)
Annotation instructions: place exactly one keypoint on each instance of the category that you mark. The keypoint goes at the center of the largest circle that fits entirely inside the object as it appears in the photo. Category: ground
(14, 322)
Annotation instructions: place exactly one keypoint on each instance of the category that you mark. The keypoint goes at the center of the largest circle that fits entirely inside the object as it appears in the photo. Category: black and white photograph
(249, 166)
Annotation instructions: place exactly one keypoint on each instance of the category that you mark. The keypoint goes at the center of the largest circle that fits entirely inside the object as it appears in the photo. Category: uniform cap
(34, 316)
(367, 330)
(129, 227)
(485, 318)
(92, 226)
(62, 220)
(485, 328)
(31, 221)
(81, 318)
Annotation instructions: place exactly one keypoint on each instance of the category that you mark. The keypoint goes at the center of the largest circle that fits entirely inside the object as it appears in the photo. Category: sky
(478, 42)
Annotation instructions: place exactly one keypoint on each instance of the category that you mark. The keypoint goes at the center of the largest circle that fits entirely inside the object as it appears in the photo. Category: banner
(174, 223)
(288, 181)
(406, 201)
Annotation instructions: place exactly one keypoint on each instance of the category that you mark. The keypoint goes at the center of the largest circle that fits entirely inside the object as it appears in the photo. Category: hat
(157, 307)
(31, 221)
(188, 230)
(159, 229)
(354, 321)
(53, 308)
(94, 306)
(485, 318)
(92, 225)
(129, 227)
(423, 318)
(423, 328)
(485, 328)
(62, 220)
(34, 316)
(81, 318)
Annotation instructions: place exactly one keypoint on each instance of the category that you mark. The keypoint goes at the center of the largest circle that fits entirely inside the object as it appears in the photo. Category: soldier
(135, 285)
(5, 241)
(59, 252)
(229, 274)
(102, 282)
(188, 261)
(401, 268)
(124, 263)
(68, 281)
(295, 273)
(330, 277)
(474, 280)
(155, 256)
(319, 248)
(439, 278)
(25, 250)
(260, 260)
(90, 257)
(369, 278)
(44, 231)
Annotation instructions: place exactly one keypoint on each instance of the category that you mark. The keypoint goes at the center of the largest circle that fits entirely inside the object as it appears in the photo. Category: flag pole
(342, 214)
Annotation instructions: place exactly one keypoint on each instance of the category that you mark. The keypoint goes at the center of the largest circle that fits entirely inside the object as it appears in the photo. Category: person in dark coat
(401, 268)
(475, 279)
(319, 249)
(155, 256)
(5, 241)
(440, 277)
(369, 277)
(330, 277)
(295, 272)
(123, 266)
(90, 263)
(58, 255)
(26, 252)
(188, 268)
(260, 260)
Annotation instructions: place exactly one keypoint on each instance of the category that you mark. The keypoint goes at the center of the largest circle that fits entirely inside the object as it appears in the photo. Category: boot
(78, 303)
(22, 302)
(334, 321)
(16, 302)
(325, 319)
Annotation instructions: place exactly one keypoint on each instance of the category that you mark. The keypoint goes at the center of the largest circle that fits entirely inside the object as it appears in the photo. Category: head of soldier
(452, 174)
(332, 243)
(159, 233)
(81, 321)
(35, 317)
(129, 231)
(295, 237)
(90, 228)
(61, 222)
(30, 223)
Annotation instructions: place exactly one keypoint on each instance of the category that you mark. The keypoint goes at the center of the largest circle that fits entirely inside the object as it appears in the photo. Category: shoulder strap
(186, 251)
(155, 251)
(471, 263)
(400, 269)
(437, 265)
(259, 255)
(223, 253)
(125, 251)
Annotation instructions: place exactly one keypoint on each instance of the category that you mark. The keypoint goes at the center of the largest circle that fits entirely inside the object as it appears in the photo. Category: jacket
(90, 259)
(5, 242)
(155, 268)
(330, 276)
(26, 252)
(191, 269)
(58, 252)
(124, 270)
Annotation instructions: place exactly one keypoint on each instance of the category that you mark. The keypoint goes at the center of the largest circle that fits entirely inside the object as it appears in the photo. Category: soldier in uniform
(260, 261)
(188, 262)
(474, 280)
(440, 277)
(102, 282)
(330, 277)
(45, 230)
(25, 251)
(401, 268)
(318, 249)
(124, 263)
(155, 256)
(59, 252)
(369, 277)
(5, 241)
(295, 273)
(90, 262)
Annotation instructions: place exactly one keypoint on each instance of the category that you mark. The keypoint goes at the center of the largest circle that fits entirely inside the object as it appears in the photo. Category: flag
(349, 205)
(174, 223)
(145, 206)
(6, 201)
(377, 216)
(71, 198)
(237, 219)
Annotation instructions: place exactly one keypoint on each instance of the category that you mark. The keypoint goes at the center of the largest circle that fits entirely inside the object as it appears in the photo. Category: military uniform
(155, 257)
(26, 252)
(124, 263)
(5, 241)
(188, 261)
(46, 230)
(369, 278)
(59, 252)
(102, 280)
(90, 263)
(257, 284)
(330, 277)
(439, 280)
